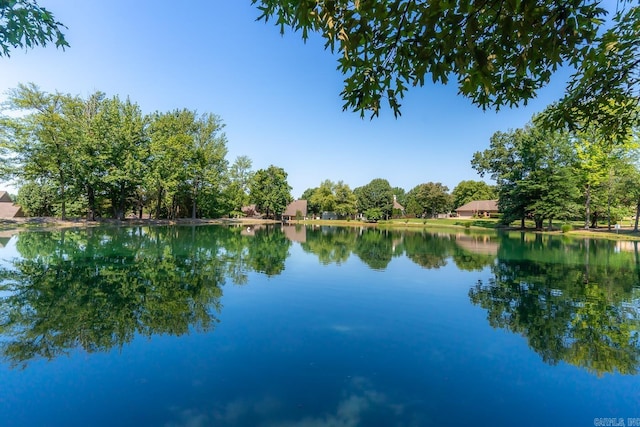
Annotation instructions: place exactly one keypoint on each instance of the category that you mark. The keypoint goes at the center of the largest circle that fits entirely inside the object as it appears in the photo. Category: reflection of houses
(627, 246)
(295, 210)
(7, 208)
(478, 208)
(250, 230)
(481, 245)
(295, 233)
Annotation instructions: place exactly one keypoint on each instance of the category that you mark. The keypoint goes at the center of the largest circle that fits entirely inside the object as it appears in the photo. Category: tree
(500, 52)
(270, 191)
(604, 92)
(240, 176)
(468, 191)
(24, 24)
(45, 140)
(123, 148)
(171, 138)
(428, 199)
(37, 198)
(345, 200)
(631, 191)
(311, 207)
(533, 168)
(207, 164)
(324, 197)
(375, 195)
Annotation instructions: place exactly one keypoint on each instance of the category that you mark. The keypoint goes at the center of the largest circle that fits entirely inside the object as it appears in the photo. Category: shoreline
(16, 225)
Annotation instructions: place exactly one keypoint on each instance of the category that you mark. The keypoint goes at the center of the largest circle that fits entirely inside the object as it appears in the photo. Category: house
(295, 210)
(482, 208)
(329, 215)
(397, 206)
(7, 208)
(250, 211)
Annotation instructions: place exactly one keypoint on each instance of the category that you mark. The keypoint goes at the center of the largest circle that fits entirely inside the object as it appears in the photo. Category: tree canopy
(25, 24)
(500, 52)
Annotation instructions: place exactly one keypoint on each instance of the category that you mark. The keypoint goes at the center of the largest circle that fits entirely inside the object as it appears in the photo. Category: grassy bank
(479, 225)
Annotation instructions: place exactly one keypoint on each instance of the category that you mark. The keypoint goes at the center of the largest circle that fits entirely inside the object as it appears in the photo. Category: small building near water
(295, 210)
(8, 209)
(478, 208)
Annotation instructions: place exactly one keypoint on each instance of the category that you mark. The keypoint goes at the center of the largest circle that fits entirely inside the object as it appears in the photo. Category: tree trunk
(121, 202)
(91, 196)
(159, 205)
(550, 224)
(63, 208)
(522, 223)
(538, 222)
(587, 207)
(635, 227)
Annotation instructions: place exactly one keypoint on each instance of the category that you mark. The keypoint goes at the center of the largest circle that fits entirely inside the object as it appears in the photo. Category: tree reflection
(575, 301)
(331, 244)
(375, 248)
(97, 289)
(583, 314)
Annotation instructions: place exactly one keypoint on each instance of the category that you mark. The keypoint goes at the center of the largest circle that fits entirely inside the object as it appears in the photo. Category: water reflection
(574, 301)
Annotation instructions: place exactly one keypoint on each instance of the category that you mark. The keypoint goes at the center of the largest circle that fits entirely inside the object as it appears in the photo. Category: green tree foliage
(270, 191)
(240, 176)
(377, 194)
(122, 150)
(307, 195)
(345, 199)
(208, 164)
(324, 196)
(500, 52)
(468, 191)
(25, 24)
(331, 197)
(599, 163)
(428, 199)
(630, 192)
(187, 161)
(37, 199)
(45, 140)
(533, 168)
(104, 157)
(604, 92)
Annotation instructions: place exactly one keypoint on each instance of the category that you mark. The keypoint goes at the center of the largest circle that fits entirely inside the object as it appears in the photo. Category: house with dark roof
(295, 210)
(397, 207)
(7, 208)
(482, 208)
(250, 211)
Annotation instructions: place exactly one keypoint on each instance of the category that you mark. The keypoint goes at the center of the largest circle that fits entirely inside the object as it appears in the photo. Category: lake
(315, 327)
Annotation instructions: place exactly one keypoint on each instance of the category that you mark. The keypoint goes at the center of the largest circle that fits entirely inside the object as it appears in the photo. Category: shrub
(566, 228)
(467, 225)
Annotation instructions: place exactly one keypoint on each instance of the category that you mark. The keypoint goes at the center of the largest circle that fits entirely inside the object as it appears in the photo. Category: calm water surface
(198, 326)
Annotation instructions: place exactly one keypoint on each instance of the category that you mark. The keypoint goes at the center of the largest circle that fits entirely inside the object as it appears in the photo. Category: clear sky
(278, 96)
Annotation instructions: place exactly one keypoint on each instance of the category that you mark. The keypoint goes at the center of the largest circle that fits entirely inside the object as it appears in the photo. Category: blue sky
(278, 96)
